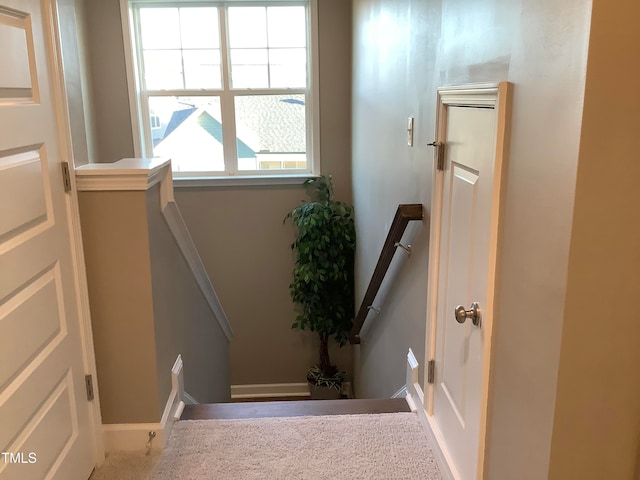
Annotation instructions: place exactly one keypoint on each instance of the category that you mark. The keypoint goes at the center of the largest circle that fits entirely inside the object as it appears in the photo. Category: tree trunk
(325, 362)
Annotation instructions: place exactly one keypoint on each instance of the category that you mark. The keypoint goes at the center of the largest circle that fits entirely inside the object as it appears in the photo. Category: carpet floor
(381, 447)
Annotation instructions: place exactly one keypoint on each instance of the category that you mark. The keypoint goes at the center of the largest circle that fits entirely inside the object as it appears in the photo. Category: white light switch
(410, 132)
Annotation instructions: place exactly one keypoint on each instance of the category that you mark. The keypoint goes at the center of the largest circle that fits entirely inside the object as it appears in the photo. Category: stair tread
(293, 408)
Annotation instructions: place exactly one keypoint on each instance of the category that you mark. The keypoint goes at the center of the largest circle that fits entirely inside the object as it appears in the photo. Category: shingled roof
(283, 115)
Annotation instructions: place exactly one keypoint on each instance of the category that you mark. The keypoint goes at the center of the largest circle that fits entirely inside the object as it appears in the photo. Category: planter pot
(324, 393)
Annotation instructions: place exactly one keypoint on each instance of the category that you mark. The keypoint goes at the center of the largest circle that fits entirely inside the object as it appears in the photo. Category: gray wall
(239, 231)
(73, 30)
(245, 248)
(403, 50)
(113, 135)
(183, 322)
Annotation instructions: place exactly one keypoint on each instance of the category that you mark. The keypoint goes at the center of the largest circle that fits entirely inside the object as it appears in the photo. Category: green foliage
(324, 248)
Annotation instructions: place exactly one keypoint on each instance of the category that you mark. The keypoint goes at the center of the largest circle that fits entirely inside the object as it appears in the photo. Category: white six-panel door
(45, 421)
(464, 266)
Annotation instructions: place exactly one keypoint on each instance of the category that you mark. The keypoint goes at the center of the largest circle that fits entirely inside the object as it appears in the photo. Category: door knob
(474, 314)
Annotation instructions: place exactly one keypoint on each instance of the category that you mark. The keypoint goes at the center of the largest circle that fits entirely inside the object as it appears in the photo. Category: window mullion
(266, 20)
(146, 128)
(229, 145)
(184, 78)
(271, 91)
(313, 89)
(142, 99)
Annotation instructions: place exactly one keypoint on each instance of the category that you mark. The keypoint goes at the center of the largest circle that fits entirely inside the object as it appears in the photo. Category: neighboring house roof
(283, 116)
(214, 128)
(191, 147)
(176, 120)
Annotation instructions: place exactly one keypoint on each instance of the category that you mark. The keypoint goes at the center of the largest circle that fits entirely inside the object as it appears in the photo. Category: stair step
(293, 408)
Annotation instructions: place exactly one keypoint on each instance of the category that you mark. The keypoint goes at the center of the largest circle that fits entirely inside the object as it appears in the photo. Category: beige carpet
(125, 466)
(385, 446)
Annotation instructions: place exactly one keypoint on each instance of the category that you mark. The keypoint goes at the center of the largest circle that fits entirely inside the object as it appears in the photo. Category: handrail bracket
(404, 214)
(406, 248)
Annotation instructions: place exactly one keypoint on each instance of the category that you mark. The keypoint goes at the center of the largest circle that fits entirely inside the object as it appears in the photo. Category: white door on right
(469, 208)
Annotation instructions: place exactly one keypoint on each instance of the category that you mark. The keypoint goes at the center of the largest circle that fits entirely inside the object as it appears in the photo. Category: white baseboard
(276, 390)
(178, 412)
(402, 393)
(132, 437)
(265, 390)
(135, 436)
(189, 400)
(174, 405)
(415, 398)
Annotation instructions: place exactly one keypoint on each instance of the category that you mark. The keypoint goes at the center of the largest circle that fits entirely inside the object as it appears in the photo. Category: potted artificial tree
(322, 286)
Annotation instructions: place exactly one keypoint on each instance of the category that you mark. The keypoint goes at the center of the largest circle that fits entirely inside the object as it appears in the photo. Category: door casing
(497, 96)
(50, 11)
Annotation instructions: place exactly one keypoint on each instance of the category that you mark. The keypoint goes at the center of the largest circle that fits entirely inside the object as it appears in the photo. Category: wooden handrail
(404, 215)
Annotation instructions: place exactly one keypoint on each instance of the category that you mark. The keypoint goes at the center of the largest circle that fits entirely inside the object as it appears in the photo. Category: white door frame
(50, 12)
(498, 96)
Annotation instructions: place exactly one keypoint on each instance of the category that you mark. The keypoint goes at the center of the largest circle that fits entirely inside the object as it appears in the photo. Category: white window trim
(266, 177)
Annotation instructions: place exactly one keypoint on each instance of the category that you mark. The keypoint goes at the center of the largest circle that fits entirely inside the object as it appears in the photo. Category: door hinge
(439, 146)
(88, 382)
(431, 372)
(66, 176)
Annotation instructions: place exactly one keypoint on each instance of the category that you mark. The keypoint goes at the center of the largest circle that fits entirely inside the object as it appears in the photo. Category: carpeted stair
(287, 440)
(294, 408)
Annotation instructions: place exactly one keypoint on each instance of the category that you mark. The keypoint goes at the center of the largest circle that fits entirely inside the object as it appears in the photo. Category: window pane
(190, 132)
(160, 28)
(284, 56)
(249, 68)
(285, 53)
(288, 67)
(199, 27)
(247, 27)
(163, 69)
(287, 26)
(202, 69)
(249, 56)
(250, 77)
(271, 132)
(287, 76)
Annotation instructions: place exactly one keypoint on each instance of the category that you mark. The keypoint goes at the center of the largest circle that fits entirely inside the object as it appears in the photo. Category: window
(225, 88)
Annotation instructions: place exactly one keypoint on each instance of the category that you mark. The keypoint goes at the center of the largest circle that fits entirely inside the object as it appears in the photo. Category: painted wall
(404, 50)
(597, 416)
(245, 249)
(109, 94)
(116, 246)
(146, 308)
(73, 37)
(183, 322)
(239, 231)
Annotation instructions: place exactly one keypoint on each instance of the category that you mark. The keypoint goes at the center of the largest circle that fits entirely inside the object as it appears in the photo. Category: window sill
(241, 180)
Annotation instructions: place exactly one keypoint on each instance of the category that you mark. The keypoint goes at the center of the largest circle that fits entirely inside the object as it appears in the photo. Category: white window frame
(138, 100)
